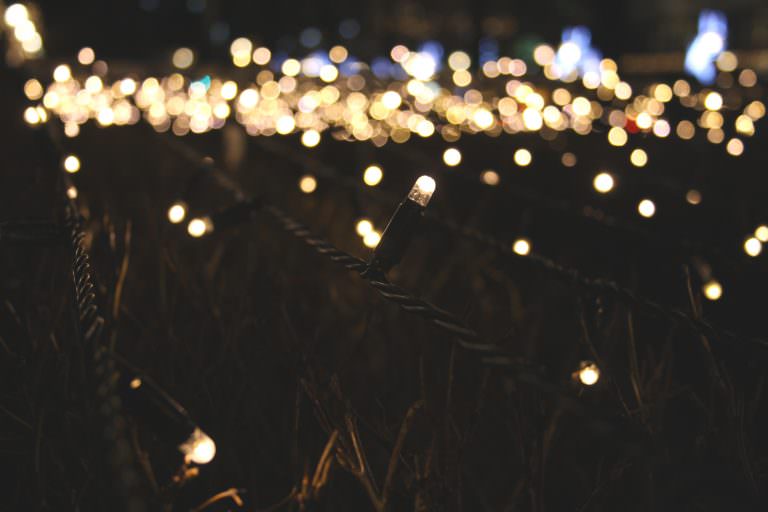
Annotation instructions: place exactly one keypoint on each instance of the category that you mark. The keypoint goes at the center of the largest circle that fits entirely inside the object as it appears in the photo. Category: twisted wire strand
(112, 424)
(467, 338)
(673, 315)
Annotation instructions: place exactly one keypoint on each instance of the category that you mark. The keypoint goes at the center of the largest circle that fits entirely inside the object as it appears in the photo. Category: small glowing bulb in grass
(452, 157)
(177, 212)
(71, 164)
(522, 247)
(198, 227)
(363, 227)
(693, 197)
(713, 290)
(646, 208)
(588, 373)
(72, 192)
(308, 184)
(761, 233)
(199, 448)
(401, 227)
(753, 247)
(372, 239)
(372, 175)
(603, 182)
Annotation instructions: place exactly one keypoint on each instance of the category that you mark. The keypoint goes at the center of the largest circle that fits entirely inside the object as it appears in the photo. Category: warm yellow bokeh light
(735, 147)
(490, 177)
(197, 227)
(761, 233)
(753, 247)
(589, 373)
(452, 157)
(523, 157)
(372, 239)
(638, 157)
(713, 101)
(372, 175)
(177, 212)
(183, 58)
(693, 196)
(310, 138)
(603, 182)
(522, 247)
(646, 208)
(617, 136)
(713, 290)
(71, 164)
(363, 227)
(308, 184)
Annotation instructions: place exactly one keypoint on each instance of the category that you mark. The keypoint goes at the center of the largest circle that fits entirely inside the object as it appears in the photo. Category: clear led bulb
(422, 191)
(199, 448)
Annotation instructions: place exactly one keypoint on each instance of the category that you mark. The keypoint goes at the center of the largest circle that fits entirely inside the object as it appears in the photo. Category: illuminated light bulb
(693, 197)
(713, 290)
(452, 157)
(523, 157)
(338, 54)
(71, 164)
(127, 86)
(372, 239)
(291, 67)
(422, 190)
(391, 100)
(646, 208)
(483, 118)
(261, 56)
(198, 227)
(617, 136)
(62, 73)
(638, 157)
(661, 128)
(86, 56)
(588, 373)
(761, 233)
(459, 61)
(685, 130)
(33, 90)
(623, 91)
(183, 58)
(713, 101)
(734, 147)
(72, 192)
(372, 175)
(307, 184)
(581, 106)
(568, 159)
(363, 227)
(329, 73)
(177, 212)
(310, 138)
(15, 15)
(490, 177)
(532, 119)
(753, 247)
(603, 182)
(228, 90)
(31, 116)
(662, 92)
(199, 448)
(521, 247)
(285, 124)
(135, 383)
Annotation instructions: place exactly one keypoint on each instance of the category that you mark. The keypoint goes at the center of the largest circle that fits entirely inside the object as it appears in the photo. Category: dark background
(247, 326)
